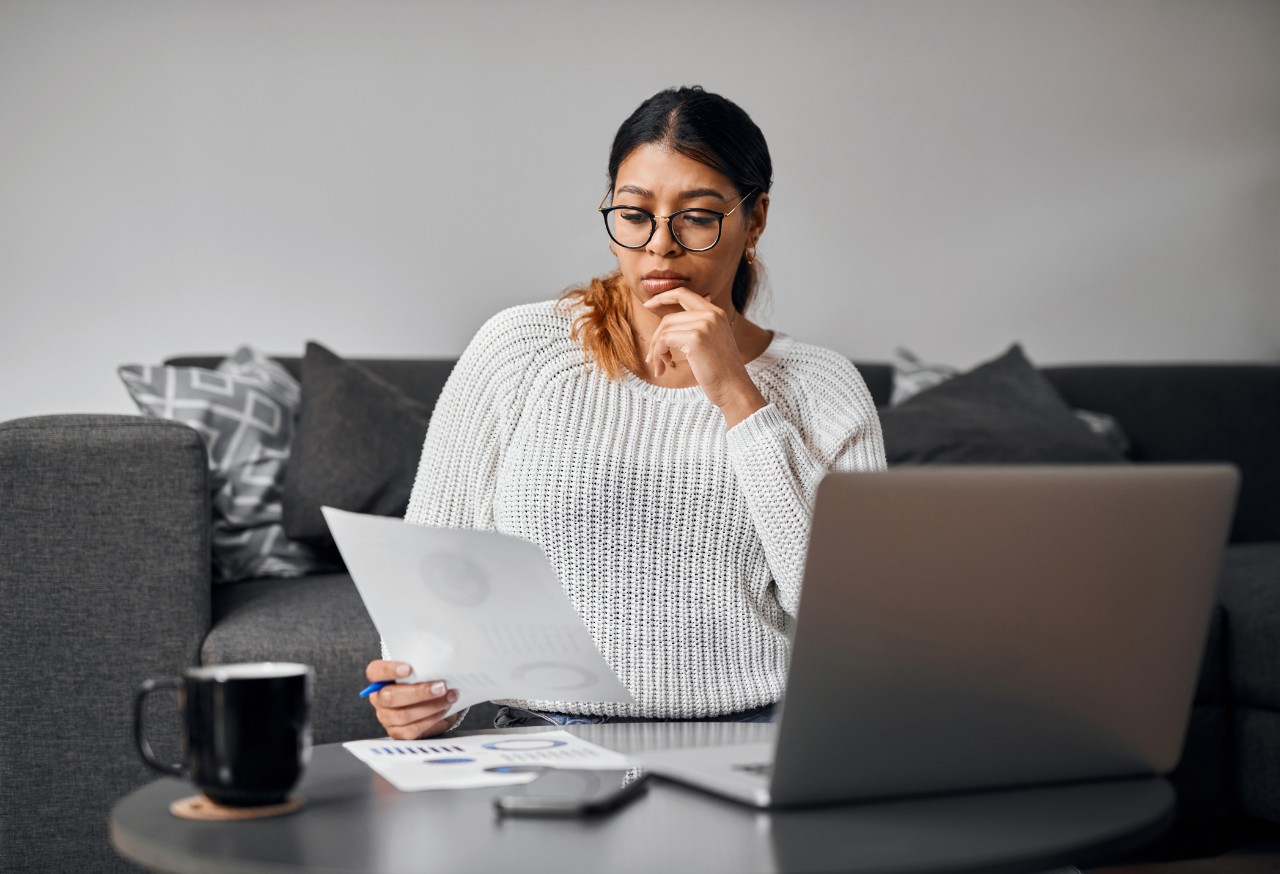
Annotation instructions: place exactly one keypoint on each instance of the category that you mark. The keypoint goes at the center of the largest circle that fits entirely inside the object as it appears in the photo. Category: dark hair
(712, 130)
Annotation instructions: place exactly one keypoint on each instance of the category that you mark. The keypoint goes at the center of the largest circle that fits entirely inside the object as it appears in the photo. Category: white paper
(479, 760)
(480, 610)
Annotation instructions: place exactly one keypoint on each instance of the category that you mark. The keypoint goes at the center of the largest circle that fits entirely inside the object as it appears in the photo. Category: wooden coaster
(205, 808)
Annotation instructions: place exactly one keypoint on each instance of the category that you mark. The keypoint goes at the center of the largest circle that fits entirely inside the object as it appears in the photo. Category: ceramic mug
(246, 729)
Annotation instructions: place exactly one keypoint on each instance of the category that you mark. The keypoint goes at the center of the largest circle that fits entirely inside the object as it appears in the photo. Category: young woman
(661, 447)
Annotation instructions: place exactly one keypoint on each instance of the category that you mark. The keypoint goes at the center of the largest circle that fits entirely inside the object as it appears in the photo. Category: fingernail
(453, 696)
(437, 688)
(402, 670)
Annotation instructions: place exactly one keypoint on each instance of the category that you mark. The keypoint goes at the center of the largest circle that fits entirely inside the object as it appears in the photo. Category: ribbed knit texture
(680, 542)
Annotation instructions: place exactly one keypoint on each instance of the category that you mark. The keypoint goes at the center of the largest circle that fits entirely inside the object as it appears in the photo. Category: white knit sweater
(680, 542)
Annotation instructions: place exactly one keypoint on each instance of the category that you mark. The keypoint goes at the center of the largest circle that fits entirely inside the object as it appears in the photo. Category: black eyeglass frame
(653, 221)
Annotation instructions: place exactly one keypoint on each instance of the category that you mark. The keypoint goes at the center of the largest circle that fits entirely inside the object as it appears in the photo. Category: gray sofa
(105, 580)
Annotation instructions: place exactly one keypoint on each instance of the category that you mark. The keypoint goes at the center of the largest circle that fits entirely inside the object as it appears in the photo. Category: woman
(662, 448)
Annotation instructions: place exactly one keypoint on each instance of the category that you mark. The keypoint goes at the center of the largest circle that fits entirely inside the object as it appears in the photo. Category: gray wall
(1098, 179)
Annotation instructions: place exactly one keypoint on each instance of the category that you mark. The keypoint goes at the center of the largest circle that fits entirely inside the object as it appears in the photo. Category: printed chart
(480, 760)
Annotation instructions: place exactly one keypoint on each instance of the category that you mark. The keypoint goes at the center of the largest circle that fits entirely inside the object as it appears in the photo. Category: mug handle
(139, 728)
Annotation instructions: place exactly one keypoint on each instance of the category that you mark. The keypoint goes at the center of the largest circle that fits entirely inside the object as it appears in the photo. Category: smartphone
(573, 792)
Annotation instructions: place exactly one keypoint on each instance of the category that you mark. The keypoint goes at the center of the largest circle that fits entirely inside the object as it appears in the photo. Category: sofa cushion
(357, 448)
(245, 412)
(1250, 593)
(1202, 778)
(1211, 683)
(319, 621)
(1257, 772)
(1003, 411)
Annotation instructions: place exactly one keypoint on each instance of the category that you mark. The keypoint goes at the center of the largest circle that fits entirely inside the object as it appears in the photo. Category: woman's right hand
(409, 711)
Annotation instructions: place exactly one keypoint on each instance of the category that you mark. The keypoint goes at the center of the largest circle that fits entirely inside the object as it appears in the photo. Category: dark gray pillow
(357, 446)
(912, 375)
(1003, 411)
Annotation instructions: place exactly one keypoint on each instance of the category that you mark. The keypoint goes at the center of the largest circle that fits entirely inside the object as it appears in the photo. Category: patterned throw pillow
(245, 411)
(912, 376)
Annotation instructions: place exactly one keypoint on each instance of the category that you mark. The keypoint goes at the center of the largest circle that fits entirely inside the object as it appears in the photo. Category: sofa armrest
(104, 581)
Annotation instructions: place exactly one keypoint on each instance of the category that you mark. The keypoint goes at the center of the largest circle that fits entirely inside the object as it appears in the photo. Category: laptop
(967, 628)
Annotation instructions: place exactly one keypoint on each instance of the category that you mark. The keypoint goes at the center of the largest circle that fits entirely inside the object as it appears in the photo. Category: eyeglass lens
(692, 228)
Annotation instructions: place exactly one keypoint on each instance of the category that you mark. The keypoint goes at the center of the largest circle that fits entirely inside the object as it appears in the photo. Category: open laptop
(968, 628)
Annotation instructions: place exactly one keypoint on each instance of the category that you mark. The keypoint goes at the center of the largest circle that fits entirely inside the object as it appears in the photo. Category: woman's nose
(663, 242)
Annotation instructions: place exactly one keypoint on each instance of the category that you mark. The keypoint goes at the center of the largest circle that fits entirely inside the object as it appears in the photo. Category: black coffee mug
(246, 729)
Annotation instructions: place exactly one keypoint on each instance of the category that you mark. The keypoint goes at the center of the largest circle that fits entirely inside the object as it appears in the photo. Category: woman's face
(661, 180)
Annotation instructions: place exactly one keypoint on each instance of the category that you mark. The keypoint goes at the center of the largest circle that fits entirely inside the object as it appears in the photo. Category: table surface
(355, 821)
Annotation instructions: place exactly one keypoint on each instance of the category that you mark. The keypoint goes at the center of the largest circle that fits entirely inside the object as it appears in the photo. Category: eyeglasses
(694, 229)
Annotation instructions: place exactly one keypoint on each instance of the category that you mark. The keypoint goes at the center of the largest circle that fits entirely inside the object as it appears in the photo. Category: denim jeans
(516, 717)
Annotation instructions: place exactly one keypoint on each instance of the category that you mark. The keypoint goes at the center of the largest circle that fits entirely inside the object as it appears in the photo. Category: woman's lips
(659, 284)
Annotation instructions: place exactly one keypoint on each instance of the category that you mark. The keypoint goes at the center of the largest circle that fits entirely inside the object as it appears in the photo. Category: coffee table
(354, 821)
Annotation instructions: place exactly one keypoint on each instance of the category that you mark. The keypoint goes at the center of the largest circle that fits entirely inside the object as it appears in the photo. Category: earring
(750, 255)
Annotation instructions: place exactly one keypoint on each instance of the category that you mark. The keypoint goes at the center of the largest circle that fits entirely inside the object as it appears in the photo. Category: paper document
(479, 760)
(480, 610)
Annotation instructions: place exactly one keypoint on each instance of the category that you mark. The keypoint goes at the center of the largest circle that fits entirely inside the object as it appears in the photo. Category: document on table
(479, 760)
(481, 610)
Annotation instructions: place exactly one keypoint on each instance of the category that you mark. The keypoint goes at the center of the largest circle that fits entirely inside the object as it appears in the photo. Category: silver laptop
(968, 628)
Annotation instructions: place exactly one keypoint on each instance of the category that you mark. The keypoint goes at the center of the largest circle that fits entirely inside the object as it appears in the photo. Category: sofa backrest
(1169, 412)
(423, 378)
(1195, 412)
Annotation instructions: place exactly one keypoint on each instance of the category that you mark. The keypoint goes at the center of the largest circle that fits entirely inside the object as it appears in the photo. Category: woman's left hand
(703, 334)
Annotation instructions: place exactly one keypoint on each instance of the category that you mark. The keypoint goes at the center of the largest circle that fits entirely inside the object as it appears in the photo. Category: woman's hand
(409, 711)
(703, 334)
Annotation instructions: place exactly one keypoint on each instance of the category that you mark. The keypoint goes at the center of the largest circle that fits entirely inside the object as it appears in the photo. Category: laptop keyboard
(760, 769)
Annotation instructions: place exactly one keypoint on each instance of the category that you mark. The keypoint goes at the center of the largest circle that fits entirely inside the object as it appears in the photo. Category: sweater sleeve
(779, 461)
(469, 431)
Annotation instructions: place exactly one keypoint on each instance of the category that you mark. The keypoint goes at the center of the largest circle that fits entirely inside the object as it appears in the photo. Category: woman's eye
(699, 219)
(633, 216)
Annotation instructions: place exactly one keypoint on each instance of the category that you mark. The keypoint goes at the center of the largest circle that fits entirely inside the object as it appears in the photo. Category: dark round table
(354, 821)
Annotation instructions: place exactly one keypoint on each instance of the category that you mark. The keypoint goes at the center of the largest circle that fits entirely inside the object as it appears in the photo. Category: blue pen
(374, 687)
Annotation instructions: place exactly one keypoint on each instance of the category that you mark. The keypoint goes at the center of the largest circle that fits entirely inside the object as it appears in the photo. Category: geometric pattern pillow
(245, 411)
(912, 375)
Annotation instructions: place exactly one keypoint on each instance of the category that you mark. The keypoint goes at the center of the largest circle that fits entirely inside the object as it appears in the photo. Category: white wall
(1099, 179)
